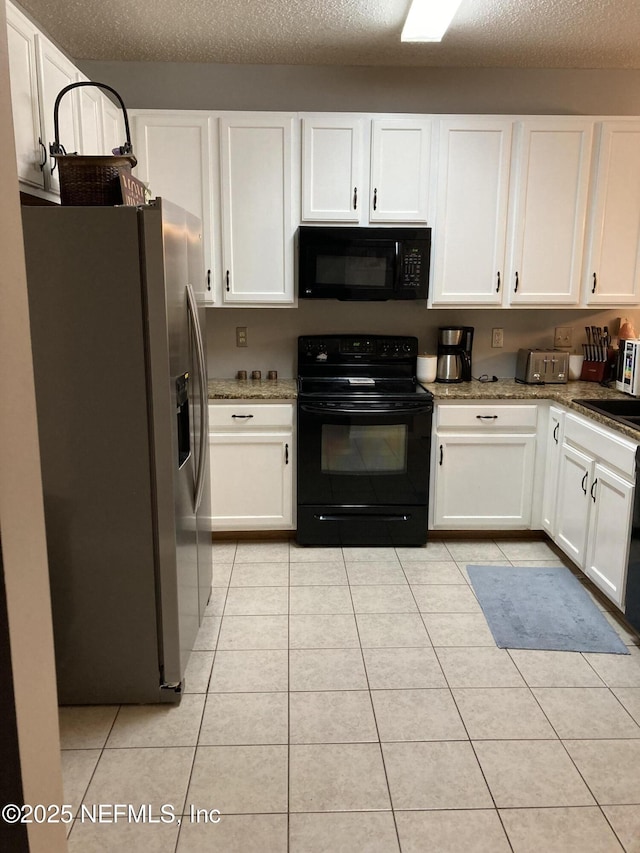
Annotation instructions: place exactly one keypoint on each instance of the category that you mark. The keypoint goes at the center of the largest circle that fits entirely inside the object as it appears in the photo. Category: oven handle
(319, 409)
(371, 517)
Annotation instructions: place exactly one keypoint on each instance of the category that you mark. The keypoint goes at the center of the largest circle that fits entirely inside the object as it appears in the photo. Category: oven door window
(363, 449)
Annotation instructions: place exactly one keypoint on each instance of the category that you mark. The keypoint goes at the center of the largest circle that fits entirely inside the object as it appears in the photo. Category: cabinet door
(332, 169)
(89, 99)
(553, 163)
(483, 481)
(400, 160)
(256, 165)
(555, 431)
(30, 152)
(251, 481)
(472, 199)
(612, 271)
(112, 125)
(611, 500)
(55, 72)
(572, 507)
(173, 152)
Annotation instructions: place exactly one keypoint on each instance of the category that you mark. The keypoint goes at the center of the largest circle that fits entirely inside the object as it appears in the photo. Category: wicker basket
(91, 180)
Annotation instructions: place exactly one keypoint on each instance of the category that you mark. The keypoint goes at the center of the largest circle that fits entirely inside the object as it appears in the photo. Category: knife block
(599, 371)
(593, 371)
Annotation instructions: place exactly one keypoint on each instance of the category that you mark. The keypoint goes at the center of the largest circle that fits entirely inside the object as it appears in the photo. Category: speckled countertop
(503, 389)
(253, 389)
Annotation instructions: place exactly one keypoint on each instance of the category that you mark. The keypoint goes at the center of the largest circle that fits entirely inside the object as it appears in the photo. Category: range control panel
(367, 349)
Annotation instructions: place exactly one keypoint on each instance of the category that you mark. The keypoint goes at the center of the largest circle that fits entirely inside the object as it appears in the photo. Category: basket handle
(56, 148)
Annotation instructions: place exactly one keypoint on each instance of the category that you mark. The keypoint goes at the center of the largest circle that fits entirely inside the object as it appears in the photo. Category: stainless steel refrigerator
(121, 395)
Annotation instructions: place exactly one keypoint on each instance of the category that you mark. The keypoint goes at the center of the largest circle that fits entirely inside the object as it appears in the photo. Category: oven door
(362, 461)
(363, 472)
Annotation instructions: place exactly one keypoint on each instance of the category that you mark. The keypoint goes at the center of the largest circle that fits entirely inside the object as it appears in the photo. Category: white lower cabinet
(595, 502)
(252, 459)
(609, 530)
(553, 449)
(576, 474)
(483, 463)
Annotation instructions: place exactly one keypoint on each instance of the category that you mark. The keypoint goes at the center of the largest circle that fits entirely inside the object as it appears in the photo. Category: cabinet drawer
(487, 416)
(243, 416)
(601, 443)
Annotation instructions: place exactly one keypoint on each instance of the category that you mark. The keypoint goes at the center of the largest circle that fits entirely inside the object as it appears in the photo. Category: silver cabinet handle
(487, 417)
(241, 416)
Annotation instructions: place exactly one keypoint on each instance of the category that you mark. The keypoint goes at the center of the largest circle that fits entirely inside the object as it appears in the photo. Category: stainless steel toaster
(542, 366)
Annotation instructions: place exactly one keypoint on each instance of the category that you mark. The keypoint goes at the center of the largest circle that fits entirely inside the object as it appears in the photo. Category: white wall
(173, 85)
(21, 510)
(272, 332)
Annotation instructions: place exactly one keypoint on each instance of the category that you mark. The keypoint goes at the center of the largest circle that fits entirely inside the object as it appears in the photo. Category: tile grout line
(475, 755)
(375, 718)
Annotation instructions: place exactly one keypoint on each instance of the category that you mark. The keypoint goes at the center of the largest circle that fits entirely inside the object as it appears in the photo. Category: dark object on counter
(542, 367)
(364, 441)
(256, 374)
(272, 375)
(454, 353)
(86, 179)
(242, 374)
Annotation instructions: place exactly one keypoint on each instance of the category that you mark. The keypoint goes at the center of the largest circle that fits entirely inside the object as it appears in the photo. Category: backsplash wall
(272, 332)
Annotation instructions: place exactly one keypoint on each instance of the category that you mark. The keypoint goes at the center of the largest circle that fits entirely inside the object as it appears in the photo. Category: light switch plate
(563, 336)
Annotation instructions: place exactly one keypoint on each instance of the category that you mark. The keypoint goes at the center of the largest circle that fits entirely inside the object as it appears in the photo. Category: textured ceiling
(498, 33)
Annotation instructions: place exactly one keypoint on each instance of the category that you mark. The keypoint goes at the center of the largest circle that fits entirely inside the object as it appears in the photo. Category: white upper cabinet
(474, 157)
(112, 125)
(30, 150)
(612, 269)
(257, 177)
(400, 166)
(359, 170)
(552, 168)
(332, 169)
(56, 72)
(90, 112)
(174, 154)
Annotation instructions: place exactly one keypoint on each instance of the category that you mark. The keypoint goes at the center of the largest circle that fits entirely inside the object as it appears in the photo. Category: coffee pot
(454, 353)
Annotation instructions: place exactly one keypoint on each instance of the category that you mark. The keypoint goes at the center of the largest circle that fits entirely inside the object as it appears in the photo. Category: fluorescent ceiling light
(428, 20)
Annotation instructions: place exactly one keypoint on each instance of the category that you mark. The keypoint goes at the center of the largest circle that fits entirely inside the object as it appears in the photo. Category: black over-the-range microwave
(369, 264)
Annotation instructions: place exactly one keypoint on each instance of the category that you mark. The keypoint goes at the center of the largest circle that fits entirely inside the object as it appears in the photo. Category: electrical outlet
(497, 338)
(241, 336)
(563, 336)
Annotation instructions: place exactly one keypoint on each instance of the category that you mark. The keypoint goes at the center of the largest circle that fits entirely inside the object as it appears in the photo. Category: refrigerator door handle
(204, 409)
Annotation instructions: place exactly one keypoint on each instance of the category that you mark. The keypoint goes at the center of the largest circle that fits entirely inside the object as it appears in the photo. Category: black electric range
(364, 438)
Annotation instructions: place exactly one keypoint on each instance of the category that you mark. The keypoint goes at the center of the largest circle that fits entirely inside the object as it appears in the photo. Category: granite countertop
(253, 389)
(503, 389)
(564, 395)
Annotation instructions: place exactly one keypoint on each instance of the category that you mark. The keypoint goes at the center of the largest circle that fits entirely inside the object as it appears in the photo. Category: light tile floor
(354, 700)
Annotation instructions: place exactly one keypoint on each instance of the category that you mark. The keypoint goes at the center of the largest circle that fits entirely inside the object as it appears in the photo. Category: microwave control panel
(411, 269)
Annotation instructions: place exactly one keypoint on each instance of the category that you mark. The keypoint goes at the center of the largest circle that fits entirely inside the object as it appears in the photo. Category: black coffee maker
(454, 353)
